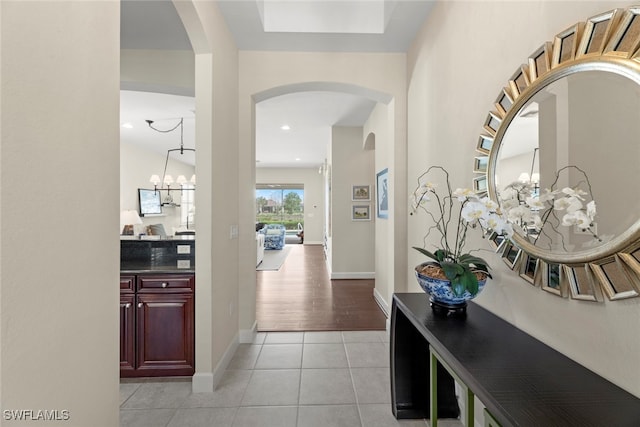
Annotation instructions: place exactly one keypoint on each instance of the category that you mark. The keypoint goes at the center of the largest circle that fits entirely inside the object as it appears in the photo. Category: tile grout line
(353, 384)
(244, 392)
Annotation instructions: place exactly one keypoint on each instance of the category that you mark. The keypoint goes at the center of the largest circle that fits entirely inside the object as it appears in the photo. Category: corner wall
(457, 67)
(216, 91)
(59, 157)
(353, 242)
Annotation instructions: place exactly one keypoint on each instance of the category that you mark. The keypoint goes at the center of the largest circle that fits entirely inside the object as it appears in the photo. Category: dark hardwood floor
(300, 297)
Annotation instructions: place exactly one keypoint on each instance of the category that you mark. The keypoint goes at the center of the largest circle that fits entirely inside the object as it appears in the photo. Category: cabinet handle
(140, 305)
(165, 284)
(127, 305)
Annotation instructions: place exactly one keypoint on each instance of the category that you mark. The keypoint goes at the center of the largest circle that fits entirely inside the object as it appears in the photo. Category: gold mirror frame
(606, 42)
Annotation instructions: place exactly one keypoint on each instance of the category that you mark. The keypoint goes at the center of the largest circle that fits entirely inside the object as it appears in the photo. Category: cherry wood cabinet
(127, 332)
(157, 321)
(127, 322)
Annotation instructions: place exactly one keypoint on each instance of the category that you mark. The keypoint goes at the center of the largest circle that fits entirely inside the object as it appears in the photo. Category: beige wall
(463, 57)
(378, 124)
(164, 71)
(60, 249)
(313, 196)
(353, 242)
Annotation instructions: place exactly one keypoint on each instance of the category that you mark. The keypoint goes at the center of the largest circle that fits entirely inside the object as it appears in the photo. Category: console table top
(521, 381)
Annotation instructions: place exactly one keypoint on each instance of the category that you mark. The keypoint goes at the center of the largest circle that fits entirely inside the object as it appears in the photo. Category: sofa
(274, 236)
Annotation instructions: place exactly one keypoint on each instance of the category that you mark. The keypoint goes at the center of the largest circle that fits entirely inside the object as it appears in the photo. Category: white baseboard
(202, 382)
(356, 275)
(206, 382)
(312, 242)
(382, 304)
(247, 336)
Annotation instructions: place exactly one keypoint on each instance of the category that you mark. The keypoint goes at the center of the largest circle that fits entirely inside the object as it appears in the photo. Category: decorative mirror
(560, 154)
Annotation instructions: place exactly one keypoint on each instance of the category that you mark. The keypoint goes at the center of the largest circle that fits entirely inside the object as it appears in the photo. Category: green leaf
(426, 253)
(471, 259)
(451, 270)
(470, 282)
(441, 254)
(457, 287)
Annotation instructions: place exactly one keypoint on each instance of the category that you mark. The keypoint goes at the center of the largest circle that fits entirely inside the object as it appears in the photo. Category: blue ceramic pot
(440, 291)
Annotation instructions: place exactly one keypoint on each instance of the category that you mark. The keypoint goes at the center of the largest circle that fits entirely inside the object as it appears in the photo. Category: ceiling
(303, 25)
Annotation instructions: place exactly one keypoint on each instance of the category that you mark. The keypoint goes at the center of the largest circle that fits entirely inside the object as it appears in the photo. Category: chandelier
(167, 180)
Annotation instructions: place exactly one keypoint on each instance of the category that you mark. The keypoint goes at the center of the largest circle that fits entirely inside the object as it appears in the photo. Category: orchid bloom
(491, 205)
(577, 218)
(473, 211)
(463, 194)
(535, 203)
(574, 192)
(591, 210)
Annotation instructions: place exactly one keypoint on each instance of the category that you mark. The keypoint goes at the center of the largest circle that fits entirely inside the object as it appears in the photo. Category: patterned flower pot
(441, 296)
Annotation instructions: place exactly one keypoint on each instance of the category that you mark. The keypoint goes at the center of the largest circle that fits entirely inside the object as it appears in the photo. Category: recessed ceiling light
(285, 127)
(127, 125)
(297, 159)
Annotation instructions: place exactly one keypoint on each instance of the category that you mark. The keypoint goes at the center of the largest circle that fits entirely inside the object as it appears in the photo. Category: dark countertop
(132, 269)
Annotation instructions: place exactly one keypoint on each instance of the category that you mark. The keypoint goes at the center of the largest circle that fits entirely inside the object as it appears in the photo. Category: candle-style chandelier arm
(168, 179)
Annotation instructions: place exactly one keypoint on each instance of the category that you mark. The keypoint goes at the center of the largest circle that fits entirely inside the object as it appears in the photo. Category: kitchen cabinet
(127, 323)
(157, 321)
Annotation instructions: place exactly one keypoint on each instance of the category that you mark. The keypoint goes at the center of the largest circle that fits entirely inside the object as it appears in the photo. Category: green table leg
(469, 397)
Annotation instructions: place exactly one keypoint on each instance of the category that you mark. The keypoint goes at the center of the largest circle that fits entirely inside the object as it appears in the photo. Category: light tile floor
(283, 379)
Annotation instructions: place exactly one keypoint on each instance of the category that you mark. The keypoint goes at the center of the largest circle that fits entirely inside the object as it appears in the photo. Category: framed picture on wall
(360, 192)
(382, 193)
(360, 213)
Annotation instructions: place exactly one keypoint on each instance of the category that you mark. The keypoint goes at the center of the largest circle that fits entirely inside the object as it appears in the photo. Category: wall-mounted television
(149, 202)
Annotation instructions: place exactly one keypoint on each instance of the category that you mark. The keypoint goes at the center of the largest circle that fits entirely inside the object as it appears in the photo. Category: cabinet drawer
(127, 284)
(168, 283)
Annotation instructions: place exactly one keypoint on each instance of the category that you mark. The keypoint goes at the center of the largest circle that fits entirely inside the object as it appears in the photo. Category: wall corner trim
(218, 371)
(202, 382)
(247, 336)
(384, 306)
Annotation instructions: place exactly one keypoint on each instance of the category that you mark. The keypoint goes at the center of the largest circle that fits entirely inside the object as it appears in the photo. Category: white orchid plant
(530, 211)
(452, 224)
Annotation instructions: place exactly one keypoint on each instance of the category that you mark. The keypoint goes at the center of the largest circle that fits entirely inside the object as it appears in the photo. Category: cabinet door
(127, 334)
(165, 334)
(127, 284)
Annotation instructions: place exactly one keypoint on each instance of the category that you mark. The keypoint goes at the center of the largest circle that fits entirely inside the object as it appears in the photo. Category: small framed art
(360, 192)
(360, 213)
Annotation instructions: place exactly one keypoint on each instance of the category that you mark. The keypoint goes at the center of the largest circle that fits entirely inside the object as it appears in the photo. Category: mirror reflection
(567, 166)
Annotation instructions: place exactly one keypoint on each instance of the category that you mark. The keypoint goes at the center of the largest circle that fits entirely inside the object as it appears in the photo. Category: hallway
(301, 297)
(294, 379)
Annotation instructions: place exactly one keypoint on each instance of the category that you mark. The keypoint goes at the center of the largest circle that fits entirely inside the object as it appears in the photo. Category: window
(281, 204)
(187, 206)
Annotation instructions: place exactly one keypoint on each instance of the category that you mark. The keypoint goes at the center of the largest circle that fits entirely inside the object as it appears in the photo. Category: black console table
(520, 380)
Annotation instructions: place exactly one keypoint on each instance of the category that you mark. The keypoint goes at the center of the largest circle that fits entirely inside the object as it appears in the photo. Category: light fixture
(531, 177)
(128, 219)
(168, 179)
(285, 127)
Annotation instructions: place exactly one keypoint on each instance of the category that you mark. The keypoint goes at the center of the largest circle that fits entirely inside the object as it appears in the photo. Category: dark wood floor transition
(301, 297)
